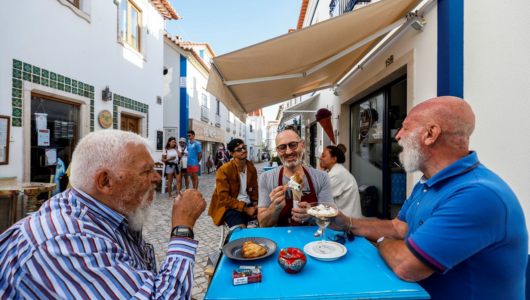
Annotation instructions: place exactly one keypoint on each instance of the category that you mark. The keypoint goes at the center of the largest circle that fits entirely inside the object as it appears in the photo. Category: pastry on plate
(252, 250)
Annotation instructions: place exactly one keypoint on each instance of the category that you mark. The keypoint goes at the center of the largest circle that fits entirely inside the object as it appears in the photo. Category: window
(201, 54)
(218, 108)
(204, 100)
(74, 3)
(130, 17)
(250, 128)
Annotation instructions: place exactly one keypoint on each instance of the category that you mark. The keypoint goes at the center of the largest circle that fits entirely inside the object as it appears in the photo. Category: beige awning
(304, 61)
(306, 107)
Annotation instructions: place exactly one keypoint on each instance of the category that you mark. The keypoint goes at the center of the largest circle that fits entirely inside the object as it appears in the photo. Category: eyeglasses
(341, 238)
(244, 147)
(189, 135)
(283, 147)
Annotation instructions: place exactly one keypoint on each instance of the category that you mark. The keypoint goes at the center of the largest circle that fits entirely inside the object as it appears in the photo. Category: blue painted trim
(316, 6)
(184, 100)
(451, 48)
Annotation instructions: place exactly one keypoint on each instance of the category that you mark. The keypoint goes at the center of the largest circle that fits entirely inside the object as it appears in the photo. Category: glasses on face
(283, 147)
(189, 135)
(342, 237)
(241, 149)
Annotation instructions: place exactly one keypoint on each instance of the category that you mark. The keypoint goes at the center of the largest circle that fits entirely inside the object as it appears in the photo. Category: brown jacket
(227, 189)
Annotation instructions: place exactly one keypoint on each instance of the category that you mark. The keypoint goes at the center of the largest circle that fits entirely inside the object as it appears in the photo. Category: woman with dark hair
(343, 185)
(222, 156)
(170, 159)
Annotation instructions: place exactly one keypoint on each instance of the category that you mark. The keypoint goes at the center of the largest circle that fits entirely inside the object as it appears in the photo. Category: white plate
(325, 251)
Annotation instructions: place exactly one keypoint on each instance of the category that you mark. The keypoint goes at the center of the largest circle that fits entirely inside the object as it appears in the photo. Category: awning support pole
(324, 63)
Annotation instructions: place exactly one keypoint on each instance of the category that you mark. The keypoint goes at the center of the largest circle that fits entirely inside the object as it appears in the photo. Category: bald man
(461, 234)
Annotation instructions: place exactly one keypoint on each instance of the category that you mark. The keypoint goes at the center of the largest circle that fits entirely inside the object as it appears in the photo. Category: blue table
(360, 274)
(265, 169)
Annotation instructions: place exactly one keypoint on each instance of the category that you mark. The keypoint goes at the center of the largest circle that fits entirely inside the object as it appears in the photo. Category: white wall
(496, 77)
(171, 101)
(51, 36)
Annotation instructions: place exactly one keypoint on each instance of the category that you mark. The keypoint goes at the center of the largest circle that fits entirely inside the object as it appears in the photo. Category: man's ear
(103, 182)
(432, 134)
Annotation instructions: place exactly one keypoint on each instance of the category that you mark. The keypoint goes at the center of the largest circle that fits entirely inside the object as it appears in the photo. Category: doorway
(54, 136)
(130, 123)
(375, 121)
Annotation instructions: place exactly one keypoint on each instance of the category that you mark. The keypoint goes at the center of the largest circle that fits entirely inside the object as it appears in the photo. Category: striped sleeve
(85, 267)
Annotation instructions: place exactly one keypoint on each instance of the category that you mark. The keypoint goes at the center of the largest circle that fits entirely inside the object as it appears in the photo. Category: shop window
(130, 24)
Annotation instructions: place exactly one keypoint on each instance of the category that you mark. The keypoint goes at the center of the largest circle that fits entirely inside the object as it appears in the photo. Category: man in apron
(275, 206)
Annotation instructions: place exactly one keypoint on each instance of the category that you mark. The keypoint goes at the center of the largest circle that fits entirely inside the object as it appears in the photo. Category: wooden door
(131, 124)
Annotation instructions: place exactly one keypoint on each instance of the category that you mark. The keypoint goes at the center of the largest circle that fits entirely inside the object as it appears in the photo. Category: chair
(159, 166)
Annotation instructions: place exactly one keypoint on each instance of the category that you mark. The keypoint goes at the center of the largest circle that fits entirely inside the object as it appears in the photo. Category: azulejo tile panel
(128, 103)
(22, 71)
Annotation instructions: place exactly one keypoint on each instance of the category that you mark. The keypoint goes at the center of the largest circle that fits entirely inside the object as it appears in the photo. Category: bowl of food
(292, 260)
(250, 248)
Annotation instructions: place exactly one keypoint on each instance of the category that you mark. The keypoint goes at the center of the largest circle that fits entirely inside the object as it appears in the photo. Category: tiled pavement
(158, 230)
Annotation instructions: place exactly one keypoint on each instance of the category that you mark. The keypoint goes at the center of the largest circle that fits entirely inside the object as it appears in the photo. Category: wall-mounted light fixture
(419, 24)
(106, 94)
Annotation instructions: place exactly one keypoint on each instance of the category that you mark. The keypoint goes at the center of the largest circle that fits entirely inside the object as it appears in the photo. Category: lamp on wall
(418, 24)
(106, 94)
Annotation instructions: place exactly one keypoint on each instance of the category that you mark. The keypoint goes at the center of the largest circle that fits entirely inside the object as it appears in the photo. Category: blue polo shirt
(193, 153)
(467, 225)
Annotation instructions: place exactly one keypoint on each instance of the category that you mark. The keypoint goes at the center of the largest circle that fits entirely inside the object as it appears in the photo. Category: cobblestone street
(158, 230)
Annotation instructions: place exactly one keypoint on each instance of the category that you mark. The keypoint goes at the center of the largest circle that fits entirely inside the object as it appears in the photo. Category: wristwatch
(182, 231)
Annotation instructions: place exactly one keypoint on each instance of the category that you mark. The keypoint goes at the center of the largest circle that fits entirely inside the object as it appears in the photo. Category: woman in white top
(343, 185)
(170, 159)
(183, 165)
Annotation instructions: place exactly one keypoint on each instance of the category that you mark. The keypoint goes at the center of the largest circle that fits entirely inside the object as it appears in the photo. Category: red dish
(292, 260)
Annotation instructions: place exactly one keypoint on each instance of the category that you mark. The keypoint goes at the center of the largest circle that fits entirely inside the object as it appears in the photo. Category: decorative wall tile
(86, 94)
(36, 70)
(67, 88)
(16, 93)
(16, 122)
(44, 81)
(80, 92)
(91, 88)
(17, 112)
(60, 78)
(60, 86)
(67, 80)
(53, 84)
(91, 95)
(16, 102)
(36, 79)
(74, 90)
(26, 76)
(45, 73)
(53, 76)
(17, 83)
(80, 85)
(74, 83)
(131, 104)
(17, 64)
(27, 67)
(17, 74)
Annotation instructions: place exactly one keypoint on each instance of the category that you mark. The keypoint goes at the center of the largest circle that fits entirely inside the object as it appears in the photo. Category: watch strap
(184, 231)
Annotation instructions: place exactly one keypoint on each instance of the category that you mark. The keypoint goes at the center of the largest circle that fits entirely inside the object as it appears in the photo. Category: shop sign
(205, 132)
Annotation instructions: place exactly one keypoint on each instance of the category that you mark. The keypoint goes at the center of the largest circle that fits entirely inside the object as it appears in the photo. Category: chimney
(178, 38)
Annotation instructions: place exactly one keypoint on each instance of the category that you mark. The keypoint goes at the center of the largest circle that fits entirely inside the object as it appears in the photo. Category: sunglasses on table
(244, 147)
(342, 237)
(283, 147)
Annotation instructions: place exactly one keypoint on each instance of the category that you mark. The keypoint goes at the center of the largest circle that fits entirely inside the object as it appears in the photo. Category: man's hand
(250, 210)
(300, 213)
(340, 222)
(278, 198)
(187, 208)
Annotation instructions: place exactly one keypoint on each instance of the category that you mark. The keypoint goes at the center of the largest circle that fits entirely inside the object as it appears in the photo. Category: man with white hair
(275, 205)
(86, 243)
(461, 234)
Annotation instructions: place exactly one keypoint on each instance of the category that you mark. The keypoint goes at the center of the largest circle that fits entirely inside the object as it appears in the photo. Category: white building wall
(171, 101)
(51, 36)
(496, 76)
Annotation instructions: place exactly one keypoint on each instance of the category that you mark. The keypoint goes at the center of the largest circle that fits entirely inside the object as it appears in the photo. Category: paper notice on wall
(43, 137)
(41, 120)
(183, 82)
(51, 157)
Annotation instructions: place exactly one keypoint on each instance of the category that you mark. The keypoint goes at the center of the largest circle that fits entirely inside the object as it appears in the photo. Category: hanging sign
(41, 120)
(105, 119)
(43, 137)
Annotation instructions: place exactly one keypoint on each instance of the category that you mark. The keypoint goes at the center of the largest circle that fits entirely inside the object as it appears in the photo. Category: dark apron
(285, 218)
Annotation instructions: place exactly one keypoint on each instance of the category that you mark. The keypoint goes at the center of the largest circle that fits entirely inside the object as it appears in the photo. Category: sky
(229, 25)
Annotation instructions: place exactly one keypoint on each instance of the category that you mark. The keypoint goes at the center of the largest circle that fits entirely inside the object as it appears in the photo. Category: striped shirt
(75, 247)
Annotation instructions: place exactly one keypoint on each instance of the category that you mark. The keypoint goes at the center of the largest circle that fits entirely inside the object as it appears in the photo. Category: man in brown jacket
(234, 200)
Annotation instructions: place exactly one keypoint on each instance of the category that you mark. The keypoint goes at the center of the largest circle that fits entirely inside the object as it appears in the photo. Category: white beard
(293, 164)
(138, 217)
(412, 159)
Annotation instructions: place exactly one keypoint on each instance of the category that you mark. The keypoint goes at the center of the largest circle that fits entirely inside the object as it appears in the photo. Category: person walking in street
(343, 184)
(194, 158)
(222, 156)
(183, 164)
(462, 232)
(276, 206)
(86, 243)
(235, 197)
(170, 159)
